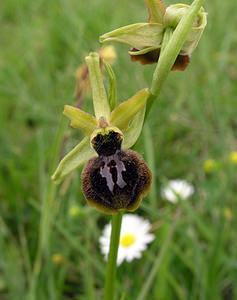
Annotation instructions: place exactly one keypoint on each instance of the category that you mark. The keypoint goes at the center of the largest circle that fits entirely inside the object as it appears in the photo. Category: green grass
(42, 45)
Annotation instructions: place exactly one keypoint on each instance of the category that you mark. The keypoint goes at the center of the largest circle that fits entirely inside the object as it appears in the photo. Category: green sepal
(123, 113)
(139, 35)
(112, 94)
(100, 101)
(75, 158)
(80, 119)
(134, 129)
(156, 10)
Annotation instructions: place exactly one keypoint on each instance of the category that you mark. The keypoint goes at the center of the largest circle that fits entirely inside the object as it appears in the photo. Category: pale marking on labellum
(105, 171)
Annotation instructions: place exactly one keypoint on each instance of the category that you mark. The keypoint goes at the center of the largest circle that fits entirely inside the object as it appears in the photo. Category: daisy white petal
(134, 237)
(177, 189)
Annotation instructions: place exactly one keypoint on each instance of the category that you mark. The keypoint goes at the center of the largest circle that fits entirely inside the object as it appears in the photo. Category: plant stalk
(110, 276)
(170, 52)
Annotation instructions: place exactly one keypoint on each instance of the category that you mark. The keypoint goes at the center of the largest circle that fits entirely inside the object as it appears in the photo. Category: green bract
(147, 37)
(127, 117)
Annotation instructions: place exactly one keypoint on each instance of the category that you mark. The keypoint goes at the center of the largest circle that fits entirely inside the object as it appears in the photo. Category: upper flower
(148, 39)
(114, 178)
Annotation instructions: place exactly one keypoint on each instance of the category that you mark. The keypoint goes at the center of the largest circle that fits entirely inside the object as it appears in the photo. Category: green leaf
(139, 35)
(112, 86)
(80, 119)
(134, 129)
(75, 158)
(124, 113)
(100, 101)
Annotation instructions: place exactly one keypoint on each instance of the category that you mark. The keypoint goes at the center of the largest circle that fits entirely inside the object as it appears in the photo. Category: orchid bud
(172, 17)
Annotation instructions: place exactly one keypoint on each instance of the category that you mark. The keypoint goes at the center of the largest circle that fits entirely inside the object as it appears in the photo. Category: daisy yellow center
(127, 240)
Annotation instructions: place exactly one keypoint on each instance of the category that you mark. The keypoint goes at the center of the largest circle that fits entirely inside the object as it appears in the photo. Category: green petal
(112, 95)
(80, 119)
(75, 158)
(194, 36)
(124, 113)
(143, 51)
(139, 36)
(156, 9)
(134, 130)
(100, 101)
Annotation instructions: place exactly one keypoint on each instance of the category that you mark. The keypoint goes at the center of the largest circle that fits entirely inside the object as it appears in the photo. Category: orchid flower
(114, 178)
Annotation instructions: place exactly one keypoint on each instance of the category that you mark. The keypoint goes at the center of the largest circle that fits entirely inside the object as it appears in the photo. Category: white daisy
(134, 237)
(177, 189)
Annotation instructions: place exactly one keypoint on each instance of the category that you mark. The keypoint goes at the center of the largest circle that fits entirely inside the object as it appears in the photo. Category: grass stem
(158, 261)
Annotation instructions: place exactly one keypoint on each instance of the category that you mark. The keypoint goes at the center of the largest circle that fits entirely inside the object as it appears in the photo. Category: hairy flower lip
(136, 180)
(151, 57)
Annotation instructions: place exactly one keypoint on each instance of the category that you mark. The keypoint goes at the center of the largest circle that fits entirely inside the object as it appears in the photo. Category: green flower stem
(172, 45)
(112, 259)
(172, 50)
(167, 36)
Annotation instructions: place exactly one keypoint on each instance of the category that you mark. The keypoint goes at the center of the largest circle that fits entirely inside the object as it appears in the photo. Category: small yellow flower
(228, 214)
(233, 157)
(74, 211)
(58, 259)
(210, 165)
(108, 54)
(3, 285)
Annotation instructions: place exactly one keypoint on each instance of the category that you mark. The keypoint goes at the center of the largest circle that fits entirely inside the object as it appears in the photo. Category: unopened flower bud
(147, 39)
(172, 17)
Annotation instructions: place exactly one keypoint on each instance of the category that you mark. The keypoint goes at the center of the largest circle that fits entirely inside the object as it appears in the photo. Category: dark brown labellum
(152, 57)
(116, 179)
(116, 182)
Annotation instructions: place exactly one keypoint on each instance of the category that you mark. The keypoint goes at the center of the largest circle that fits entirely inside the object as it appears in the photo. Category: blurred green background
(49, 236)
